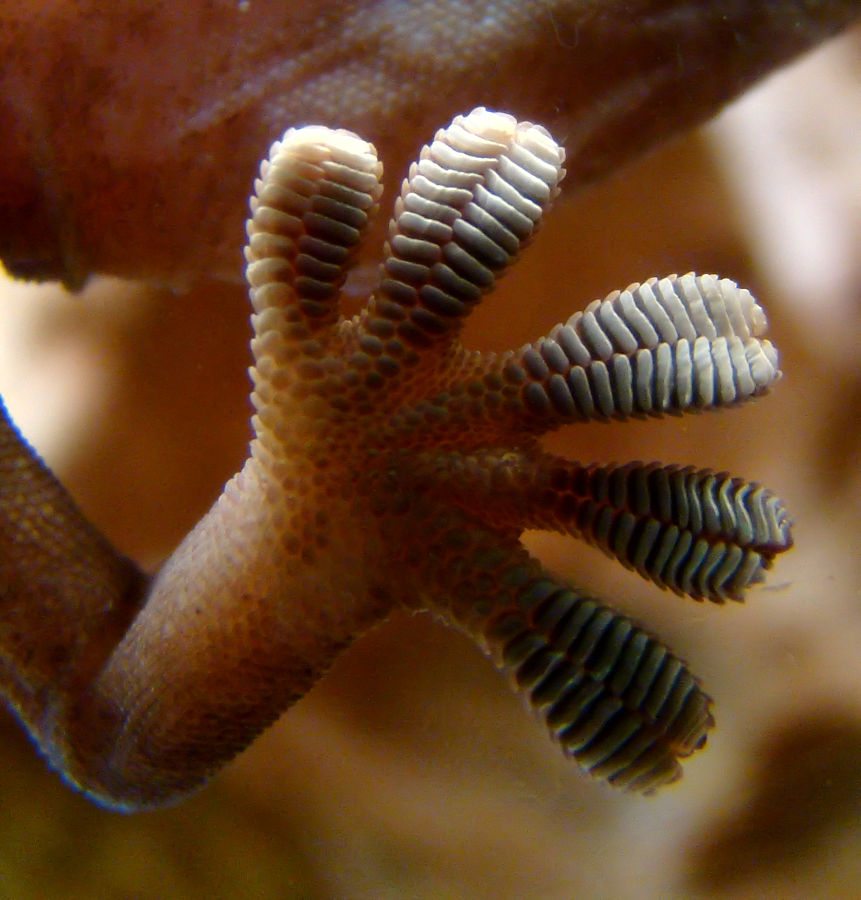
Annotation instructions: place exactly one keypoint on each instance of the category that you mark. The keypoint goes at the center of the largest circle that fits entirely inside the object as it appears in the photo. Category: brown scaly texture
(130, 126)
(391, 466)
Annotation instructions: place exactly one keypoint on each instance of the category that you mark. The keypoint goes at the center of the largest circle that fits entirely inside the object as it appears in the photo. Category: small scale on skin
(392, 467)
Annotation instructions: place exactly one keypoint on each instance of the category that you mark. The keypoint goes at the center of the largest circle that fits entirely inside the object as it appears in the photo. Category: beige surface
(411, 770)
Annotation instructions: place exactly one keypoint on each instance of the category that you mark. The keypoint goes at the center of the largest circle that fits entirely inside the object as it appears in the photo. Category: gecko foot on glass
(392, 467)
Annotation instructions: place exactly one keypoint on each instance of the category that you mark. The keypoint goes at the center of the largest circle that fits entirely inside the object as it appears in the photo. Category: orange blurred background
(411, 770)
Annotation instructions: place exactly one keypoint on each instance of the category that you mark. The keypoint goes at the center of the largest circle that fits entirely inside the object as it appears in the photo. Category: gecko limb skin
(392, 467)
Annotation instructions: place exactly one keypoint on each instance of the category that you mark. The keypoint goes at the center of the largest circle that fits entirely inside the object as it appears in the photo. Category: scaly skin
(130, 126)
(392, 467)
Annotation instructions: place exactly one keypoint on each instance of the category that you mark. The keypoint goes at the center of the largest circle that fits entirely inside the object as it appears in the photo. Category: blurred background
(412, 770)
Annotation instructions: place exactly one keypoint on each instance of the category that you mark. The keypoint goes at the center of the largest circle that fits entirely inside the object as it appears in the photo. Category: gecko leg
(391, 466)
